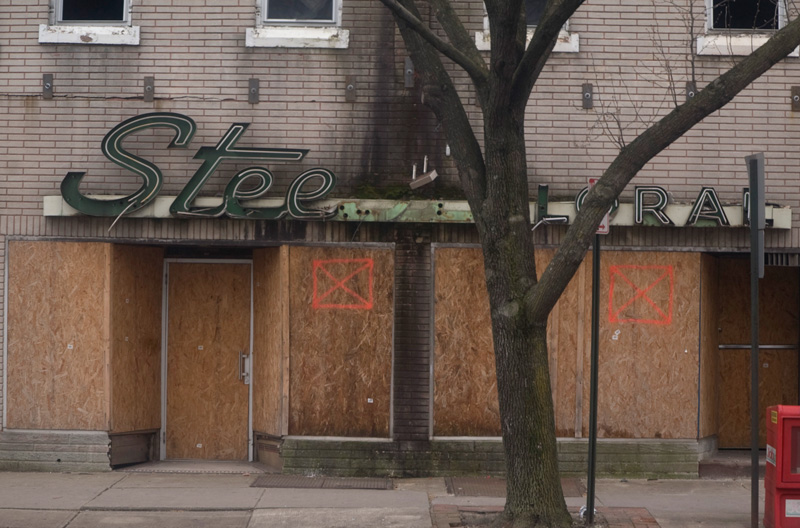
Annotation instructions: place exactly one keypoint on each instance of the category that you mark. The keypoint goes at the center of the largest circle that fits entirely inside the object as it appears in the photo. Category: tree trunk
(534, 496)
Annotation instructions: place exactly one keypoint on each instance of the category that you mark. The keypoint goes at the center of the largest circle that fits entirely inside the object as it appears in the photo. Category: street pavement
(204, 500)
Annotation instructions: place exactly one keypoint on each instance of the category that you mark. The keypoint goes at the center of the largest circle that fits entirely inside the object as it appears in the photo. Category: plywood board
(208, 326)
(465, 383)
(777, 384)
(341, 313)
(465, 380)
(136, 298)
(649, 334)
(778, 304)
(709, 347)
(269, 310)
(57, 335)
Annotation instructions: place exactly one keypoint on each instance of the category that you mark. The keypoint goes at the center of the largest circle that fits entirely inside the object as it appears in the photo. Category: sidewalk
(221, 500)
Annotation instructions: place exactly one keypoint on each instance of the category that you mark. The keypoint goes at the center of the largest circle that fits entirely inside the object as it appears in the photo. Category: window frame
(709, 25)
(734, 41)
(297, 33)
(58, 10)
(89, 32)
(567, 42)
(335, 20)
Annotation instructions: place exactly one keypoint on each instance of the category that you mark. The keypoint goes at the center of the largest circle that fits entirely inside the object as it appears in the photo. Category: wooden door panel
(777, 384)
(208, 326)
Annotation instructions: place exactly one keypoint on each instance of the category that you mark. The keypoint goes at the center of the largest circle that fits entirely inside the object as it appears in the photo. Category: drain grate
(299, 481)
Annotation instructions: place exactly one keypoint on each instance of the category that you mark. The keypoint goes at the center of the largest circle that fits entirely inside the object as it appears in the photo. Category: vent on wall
(782, 259)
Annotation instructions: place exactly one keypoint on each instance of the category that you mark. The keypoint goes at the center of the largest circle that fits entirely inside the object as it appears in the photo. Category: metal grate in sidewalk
(299, 481)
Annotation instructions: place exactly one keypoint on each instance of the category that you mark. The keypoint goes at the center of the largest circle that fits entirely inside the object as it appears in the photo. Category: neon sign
(247, 184)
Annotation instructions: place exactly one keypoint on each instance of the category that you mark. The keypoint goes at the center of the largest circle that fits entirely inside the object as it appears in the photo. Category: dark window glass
(74, 10)
(745, 14)
(533, 11)
(320, 10)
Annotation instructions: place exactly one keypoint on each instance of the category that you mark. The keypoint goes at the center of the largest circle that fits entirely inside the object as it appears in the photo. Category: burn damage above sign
(247, 184)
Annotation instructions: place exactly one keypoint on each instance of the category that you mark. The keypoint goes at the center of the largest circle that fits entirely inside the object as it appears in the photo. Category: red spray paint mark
(652, 276)
(340, 277)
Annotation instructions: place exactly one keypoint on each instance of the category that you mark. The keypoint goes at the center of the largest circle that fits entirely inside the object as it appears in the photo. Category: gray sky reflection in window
(76, 10)
(746, 14)
(319, 10)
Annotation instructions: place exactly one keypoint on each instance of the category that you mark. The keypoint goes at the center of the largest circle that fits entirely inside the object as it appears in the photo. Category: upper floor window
(299, 24)
(567, 42)
(92, 11)
(533, 11)
(738, 27)
(89, 22)
(754, 15)
(300, 11)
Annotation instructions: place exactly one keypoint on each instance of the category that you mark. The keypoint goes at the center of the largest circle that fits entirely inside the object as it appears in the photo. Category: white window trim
(88, 32)
(723, 42)
(278, 34)
(567, 42)
(113, 35)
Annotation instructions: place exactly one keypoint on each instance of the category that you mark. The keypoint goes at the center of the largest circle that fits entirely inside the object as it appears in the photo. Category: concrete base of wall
(615, 458)
(54, 451)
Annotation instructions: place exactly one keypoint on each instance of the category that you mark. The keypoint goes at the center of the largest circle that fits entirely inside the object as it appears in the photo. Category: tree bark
(534, 494)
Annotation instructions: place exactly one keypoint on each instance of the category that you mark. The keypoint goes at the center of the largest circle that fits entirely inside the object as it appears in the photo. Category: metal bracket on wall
(408, 74)
(253, 91)
(149, 89)
(350, 89)
(47, 86)
(795, 98)
(691, 90)
(587, 96)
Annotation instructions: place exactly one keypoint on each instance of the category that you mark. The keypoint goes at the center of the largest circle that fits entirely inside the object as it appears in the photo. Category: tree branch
(556, 14)
(456, 32)
(476, 69)
(631, 159)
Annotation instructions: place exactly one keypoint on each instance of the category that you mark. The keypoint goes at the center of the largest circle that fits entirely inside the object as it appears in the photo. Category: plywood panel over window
(58, 335)
(136, 297)
(341, 305)
(465, 382)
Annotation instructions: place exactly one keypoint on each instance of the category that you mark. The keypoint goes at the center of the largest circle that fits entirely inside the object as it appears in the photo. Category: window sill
(567, 42)
(297, 37)
(112, 35)
(733, 45)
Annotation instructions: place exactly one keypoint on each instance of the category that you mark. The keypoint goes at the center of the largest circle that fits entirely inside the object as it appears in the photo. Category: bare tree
(494, 178)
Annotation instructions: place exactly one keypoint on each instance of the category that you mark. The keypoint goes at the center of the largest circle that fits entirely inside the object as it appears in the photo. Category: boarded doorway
(208, 339)
(778, 356)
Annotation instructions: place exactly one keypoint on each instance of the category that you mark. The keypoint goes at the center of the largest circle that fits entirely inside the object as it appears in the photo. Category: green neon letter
(212, 157)
(656, 209)
(708, 207)
(184, 128)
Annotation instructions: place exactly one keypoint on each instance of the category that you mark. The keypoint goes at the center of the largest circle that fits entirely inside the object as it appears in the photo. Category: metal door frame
(164, 343)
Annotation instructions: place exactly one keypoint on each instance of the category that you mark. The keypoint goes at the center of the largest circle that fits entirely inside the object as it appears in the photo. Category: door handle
(244, 367)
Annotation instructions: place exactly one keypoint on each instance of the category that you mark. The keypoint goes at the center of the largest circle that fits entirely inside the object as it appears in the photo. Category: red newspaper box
(782, 474)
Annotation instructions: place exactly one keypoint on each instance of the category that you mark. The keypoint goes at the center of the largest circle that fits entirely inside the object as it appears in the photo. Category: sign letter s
(152, 178)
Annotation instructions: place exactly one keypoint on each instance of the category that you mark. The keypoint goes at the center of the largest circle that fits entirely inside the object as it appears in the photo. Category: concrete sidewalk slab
(52, 491)
(184, 480)
(384, 517)
(96, 519)
(333, 498)
(684, 503)
(35, 518)
(155, 499)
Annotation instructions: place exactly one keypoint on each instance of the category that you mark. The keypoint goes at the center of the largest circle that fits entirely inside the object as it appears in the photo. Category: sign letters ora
(247, 184)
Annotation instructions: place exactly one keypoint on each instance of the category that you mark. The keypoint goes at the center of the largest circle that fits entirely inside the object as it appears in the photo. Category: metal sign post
(602, 229)
(755, 169)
